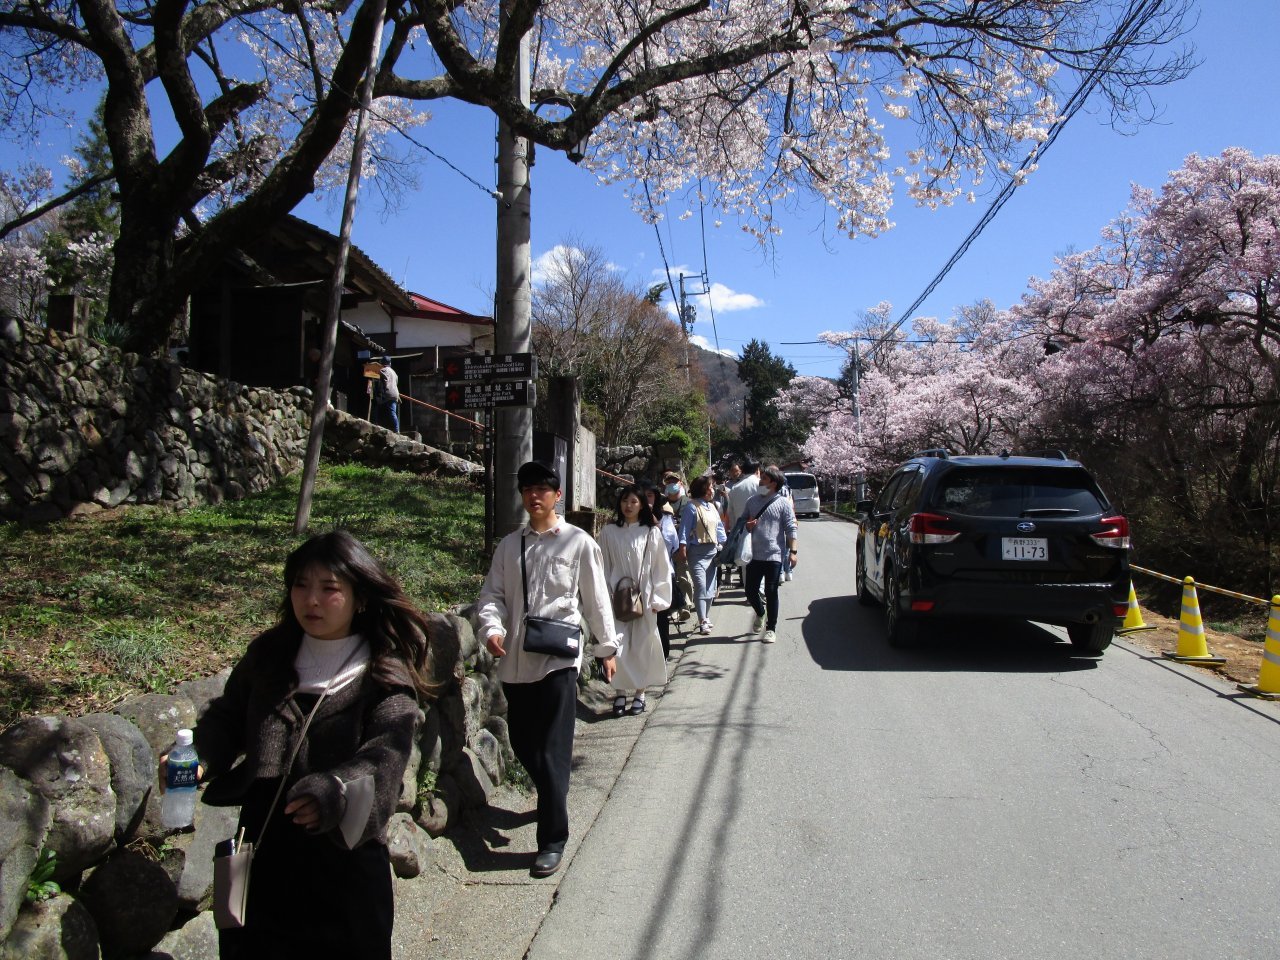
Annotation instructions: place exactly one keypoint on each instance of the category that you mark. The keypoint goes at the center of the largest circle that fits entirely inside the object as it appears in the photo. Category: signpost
(483, 396)
(486, 368)
(484, 382)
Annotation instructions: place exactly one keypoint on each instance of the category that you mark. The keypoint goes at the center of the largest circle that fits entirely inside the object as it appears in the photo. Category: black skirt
(308, 897)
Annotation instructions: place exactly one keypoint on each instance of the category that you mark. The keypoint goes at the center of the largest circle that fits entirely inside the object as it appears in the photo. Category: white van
(804, 491)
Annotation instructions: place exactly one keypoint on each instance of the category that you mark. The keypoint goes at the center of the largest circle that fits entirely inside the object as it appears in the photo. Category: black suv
(1021, 537)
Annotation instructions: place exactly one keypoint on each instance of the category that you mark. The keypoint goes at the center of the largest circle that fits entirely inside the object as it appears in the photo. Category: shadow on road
(482, 836)
(842, 635)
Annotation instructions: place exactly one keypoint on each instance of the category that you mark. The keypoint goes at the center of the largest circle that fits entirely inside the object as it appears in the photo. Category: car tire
(901, 630)
(864, 595)
(1091, 637)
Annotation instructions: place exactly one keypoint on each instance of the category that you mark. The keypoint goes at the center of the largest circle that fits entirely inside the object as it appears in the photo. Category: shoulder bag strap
(524, 576)
(298, 746)
(767, 504)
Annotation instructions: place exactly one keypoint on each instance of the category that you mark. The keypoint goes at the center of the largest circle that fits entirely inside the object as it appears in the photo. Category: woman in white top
(701, 535)
(633, 547)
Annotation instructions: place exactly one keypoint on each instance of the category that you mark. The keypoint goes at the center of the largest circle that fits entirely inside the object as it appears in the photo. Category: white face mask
(673, 490)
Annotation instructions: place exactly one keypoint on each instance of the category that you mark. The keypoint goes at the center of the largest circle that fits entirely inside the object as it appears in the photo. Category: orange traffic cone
(1191, 644)
(1268, 685)
(1133, 616)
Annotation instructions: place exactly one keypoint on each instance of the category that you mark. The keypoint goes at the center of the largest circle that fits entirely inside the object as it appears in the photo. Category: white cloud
(700, 341)
(543, 267)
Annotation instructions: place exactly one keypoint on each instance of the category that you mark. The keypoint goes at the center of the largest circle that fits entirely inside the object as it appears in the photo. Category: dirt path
(1243, 656)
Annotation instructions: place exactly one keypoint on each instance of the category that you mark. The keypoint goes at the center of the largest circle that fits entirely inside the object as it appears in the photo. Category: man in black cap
(563, 574)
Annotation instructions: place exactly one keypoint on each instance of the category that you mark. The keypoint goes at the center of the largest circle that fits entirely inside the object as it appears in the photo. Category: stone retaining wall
(85, 427)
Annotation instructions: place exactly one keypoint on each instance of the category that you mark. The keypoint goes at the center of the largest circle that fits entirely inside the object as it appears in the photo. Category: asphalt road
(988, 795)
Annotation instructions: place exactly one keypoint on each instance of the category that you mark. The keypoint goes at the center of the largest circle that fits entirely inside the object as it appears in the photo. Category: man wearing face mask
(674, 490)
(772, 525)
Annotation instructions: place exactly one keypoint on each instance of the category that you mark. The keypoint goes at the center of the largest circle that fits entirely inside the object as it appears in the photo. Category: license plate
(1024, 548)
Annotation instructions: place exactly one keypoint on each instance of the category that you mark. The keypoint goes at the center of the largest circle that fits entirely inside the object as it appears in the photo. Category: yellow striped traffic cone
(1268, 685)
(1191, 645)
(1133, 616)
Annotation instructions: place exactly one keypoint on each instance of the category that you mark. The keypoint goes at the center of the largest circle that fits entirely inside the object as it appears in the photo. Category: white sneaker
(787, 576)
(769, 637)
(705, 628)
(758, 623)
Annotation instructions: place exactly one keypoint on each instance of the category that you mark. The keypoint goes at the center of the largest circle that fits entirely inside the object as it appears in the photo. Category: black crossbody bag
(555, 638)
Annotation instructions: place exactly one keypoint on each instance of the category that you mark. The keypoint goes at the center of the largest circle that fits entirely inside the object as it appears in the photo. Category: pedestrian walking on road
(671, 540)
(674, 491)
(701, 534)
(633, 547)
(350, 650)
(771, 522)
(548, 570)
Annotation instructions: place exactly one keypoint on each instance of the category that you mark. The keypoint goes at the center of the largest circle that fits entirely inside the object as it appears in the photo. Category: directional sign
(479, 396)
(483, 367)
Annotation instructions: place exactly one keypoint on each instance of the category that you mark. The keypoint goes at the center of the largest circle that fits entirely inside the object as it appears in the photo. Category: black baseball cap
(535, 472)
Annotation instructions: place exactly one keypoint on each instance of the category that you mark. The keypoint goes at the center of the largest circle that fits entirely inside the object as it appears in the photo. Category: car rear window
(1017, 493)
(801, 481)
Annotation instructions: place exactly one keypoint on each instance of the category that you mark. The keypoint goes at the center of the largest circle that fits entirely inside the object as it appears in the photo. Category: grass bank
(97, 609)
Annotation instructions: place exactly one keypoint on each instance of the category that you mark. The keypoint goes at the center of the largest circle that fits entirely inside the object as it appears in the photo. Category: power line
(1119, 39)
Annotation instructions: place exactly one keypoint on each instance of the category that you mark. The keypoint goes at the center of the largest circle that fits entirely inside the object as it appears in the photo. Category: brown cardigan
(364, 728)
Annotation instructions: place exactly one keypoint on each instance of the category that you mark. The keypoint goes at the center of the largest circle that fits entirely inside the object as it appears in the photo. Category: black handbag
(555, 638)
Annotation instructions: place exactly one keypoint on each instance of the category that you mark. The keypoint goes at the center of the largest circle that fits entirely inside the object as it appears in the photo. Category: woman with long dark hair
(633, 548)
(350, 640)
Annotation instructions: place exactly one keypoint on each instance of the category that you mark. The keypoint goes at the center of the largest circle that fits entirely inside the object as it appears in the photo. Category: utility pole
(514, 433)
(689, 314)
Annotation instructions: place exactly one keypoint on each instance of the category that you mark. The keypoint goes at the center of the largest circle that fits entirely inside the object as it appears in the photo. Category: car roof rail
(1049, 454)
(940, 452)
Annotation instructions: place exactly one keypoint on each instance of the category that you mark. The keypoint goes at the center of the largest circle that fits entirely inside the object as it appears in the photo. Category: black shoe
(545, 863)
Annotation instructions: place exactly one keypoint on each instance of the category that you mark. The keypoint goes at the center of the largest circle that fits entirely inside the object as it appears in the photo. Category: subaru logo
(1026, 526)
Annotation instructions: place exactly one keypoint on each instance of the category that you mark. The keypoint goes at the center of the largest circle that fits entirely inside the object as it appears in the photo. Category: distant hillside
(725, 392)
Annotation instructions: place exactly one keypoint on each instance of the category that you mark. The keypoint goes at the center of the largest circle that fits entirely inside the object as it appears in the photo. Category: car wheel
(1091, 637)
(902, 630)
(864, 595)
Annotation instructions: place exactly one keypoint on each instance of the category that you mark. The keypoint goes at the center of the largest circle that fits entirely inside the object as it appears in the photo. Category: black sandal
(620, 706)
(637, 706)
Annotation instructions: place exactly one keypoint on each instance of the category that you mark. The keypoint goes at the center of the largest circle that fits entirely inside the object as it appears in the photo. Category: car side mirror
(864, 506)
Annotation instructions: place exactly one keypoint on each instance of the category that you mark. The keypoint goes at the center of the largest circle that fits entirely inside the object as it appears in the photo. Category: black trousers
(540, 723)
(768, 571)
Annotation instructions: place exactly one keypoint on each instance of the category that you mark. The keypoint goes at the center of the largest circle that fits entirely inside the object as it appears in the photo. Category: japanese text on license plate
(1024, 548)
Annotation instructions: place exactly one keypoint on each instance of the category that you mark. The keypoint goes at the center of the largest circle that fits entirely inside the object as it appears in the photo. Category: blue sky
(439, 241)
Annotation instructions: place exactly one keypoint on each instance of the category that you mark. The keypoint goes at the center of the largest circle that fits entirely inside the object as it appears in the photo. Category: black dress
(308, 897)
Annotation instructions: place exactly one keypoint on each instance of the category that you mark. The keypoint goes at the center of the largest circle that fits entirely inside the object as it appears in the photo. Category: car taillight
(1115, 533)
(931, 528)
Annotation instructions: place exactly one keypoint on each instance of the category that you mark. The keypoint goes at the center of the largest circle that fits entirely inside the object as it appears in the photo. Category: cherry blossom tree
(965, 385)
(756, 103)
(1163, 362)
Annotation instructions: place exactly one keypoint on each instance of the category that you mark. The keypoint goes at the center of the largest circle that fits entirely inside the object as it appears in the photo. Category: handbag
(628, 598)
(233, 858)
(355, 816)
(555, 638)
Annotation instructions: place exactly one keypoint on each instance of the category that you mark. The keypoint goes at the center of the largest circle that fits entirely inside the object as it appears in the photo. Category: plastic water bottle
(178, 807)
